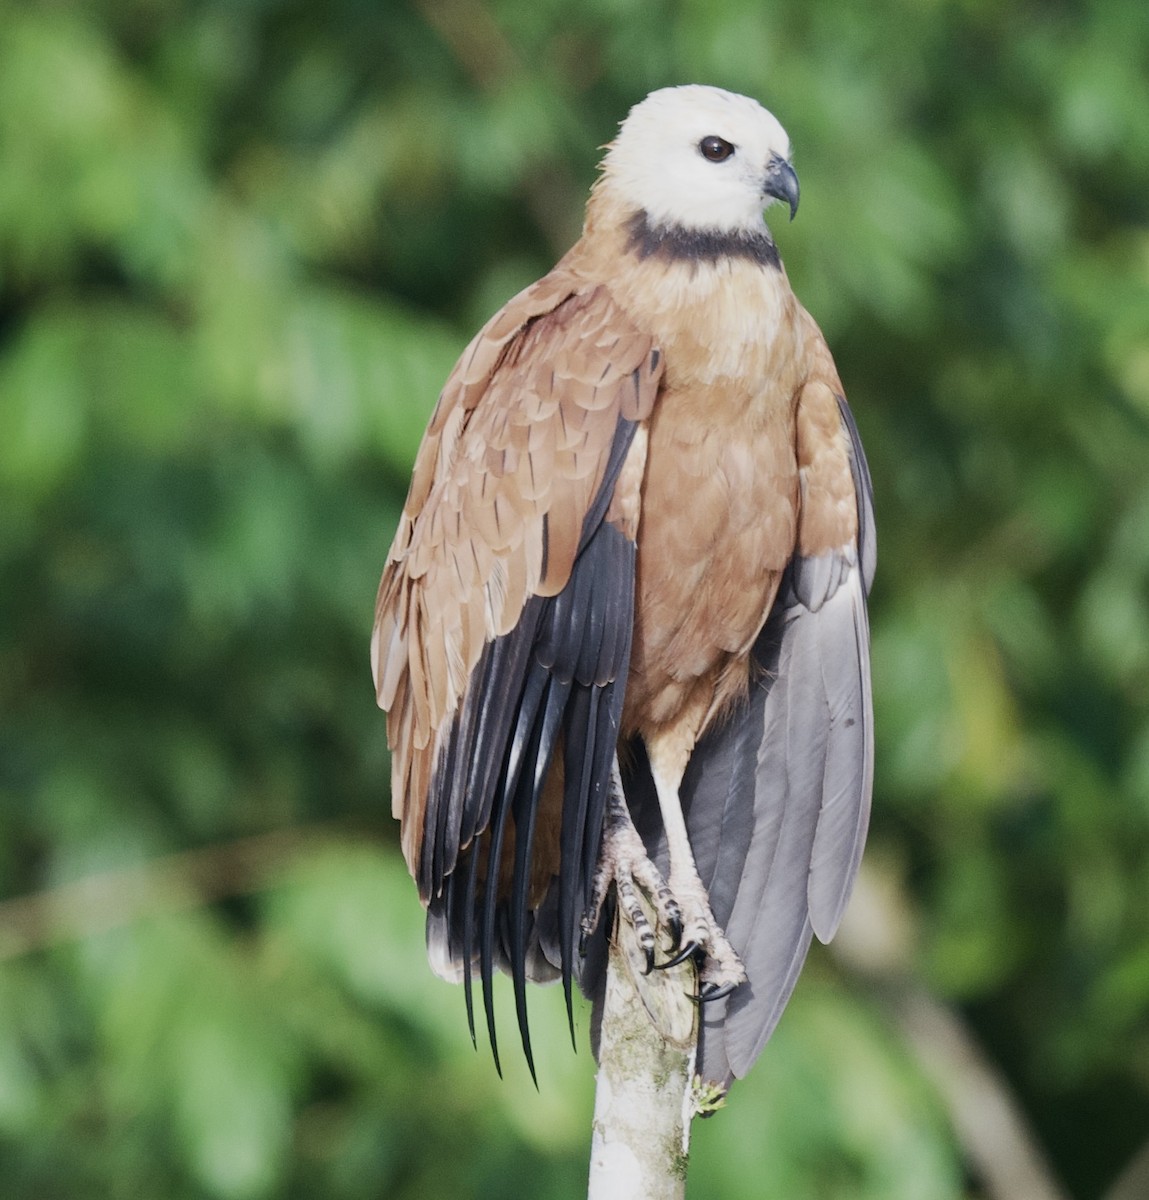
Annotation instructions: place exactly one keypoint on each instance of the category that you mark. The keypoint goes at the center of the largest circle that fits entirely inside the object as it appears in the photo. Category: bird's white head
(701, 159)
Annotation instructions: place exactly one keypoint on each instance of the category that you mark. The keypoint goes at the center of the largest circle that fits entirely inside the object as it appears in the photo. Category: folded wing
(503, 625)
(777, 796)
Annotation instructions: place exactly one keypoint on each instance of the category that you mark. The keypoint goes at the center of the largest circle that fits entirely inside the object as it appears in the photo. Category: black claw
(689, 949)
(711, 991)
(649, 960)
(674, 928)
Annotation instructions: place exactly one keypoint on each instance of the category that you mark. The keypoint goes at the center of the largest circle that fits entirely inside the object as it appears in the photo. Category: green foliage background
(241, 243)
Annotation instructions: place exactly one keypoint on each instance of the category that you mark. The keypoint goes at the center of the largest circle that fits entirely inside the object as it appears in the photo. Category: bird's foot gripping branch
(681, 921)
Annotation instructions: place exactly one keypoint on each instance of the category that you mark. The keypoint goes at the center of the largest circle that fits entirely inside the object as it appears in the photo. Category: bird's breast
(720, 494)
(718, 525)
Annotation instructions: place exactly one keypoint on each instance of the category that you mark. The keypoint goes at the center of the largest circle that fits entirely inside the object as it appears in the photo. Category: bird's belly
(718, 525)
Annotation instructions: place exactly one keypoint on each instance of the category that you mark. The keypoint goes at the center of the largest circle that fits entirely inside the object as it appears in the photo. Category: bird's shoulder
(559, 348)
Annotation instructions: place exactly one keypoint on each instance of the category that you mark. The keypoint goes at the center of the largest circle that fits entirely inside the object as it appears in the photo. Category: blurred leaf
(232, 1106)
(241, 246)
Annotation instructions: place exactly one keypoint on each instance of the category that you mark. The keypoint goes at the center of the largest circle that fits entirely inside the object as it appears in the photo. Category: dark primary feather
(558, 676)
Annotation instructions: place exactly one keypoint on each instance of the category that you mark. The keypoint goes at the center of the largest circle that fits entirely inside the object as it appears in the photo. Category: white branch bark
(644, 1098)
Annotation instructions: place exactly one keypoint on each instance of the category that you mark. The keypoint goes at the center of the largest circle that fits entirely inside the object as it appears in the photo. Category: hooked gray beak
(782, 183)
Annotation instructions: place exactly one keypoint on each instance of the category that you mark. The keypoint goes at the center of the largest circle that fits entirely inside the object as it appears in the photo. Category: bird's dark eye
(715, 149)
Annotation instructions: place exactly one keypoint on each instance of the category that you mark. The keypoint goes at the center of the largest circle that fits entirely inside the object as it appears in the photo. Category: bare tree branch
(644, 1098)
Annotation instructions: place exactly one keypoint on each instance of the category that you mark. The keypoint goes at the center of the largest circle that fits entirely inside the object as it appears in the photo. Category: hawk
(621, 635)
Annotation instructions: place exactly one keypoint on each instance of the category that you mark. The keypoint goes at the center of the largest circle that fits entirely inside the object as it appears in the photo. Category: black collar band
(674, 243)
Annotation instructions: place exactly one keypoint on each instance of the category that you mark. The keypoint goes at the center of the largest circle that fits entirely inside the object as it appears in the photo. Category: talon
(689, 949)
(713, 991)
(587, 926)
(681, 910)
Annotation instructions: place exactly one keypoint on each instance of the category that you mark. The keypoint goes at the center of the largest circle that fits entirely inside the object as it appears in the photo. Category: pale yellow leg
(721, 967)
